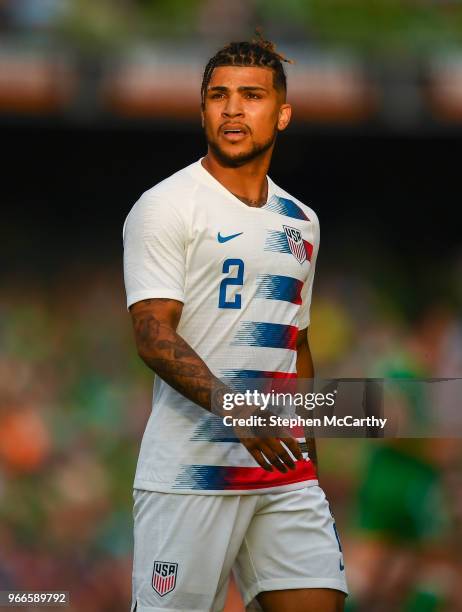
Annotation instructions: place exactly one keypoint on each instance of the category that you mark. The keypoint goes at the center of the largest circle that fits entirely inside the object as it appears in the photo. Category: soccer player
(219, 264)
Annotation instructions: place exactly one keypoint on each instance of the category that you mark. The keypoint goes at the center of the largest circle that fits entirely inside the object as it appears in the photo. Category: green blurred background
(98, 102)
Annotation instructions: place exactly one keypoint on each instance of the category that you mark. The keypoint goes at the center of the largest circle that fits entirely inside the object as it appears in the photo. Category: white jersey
(245, 278)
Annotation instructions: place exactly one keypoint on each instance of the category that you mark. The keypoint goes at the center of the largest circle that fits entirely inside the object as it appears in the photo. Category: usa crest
(296, 244)
(164, 577)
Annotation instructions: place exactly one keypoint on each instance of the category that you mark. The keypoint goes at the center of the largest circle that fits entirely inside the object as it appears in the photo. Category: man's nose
(233, 107)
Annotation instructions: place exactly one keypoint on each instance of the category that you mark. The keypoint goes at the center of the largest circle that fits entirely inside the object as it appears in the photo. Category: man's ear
(202, 117)
(285, 113)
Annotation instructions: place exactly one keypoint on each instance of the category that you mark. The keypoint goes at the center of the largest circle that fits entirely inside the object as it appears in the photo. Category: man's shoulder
(180, 182)
(166, 199)
(288, 200)
(171, 193)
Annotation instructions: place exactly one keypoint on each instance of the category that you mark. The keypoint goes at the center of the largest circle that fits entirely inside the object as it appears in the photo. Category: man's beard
(239, 159)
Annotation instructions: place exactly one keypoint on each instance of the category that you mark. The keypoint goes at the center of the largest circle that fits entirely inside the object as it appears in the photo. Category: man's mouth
(234, 134)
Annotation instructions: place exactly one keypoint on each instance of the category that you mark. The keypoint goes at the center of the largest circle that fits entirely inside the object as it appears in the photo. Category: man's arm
(167, 354)
(305, 369)
(175, 361)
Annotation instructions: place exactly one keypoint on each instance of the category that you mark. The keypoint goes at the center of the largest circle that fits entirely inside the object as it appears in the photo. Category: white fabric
(240, 314)
(271, 542)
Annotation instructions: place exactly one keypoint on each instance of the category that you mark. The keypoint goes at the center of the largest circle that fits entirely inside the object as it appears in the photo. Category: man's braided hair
(258, 52)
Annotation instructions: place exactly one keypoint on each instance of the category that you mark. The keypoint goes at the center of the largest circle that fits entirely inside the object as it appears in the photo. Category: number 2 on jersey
(229, 264)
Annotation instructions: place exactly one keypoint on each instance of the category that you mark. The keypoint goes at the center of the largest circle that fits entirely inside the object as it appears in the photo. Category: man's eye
(216, 95)
(253, 96)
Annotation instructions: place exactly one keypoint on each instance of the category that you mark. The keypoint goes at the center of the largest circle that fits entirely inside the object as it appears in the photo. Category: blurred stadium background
(98, 102)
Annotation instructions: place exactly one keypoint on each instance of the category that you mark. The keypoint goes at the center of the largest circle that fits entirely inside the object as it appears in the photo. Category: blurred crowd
(74, 402)
(399, 501)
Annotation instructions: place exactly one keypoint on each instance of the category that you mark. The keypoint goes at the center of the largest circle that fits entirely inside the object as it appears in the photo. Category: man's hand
(274, 451)
(268, 441)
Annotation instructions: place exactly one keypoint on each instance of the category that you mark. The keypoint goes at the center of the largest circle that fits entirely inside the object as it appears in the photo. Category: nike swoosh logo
(221, 238)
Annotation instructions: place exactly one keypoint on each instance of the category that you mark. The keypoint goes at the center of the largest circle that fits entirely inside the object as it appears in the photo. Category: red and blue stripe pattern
(308, 249)
(270, 335)
(277, 242)
(240, 380)
(220, 477)
(286, 207)
(277, 287)
(256, 374)
(212, 429)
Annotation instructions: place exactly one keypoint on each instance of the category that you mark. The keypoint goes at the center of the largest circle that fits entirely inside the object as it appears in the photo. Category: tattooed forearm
(173, 359)
(179, 351)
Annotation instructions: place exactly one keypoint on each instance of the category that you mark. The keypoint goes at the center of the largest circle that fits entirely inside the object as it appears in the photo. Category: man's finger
(281, 451)
(273, 457)
(257, 455)
(294, 447)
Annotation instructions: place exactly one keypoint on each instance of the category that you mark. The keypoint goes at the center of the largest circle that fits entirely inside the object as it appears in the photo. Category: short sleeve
(307, 289)
(154, 250)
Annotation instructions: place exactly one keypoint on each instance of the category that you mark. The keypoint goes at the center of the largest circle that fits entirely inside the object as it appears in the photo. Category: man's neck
(247, 183)
(253, 203)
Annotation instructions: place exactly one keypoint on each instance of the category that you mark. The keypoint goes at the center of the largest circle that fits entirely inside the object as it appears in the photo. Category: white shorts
(185, 547)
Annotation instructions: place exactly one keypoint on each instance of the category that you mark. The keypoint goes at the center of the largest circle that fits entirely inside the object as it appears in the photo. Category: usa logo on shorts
(164, 577)
(296, 244)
